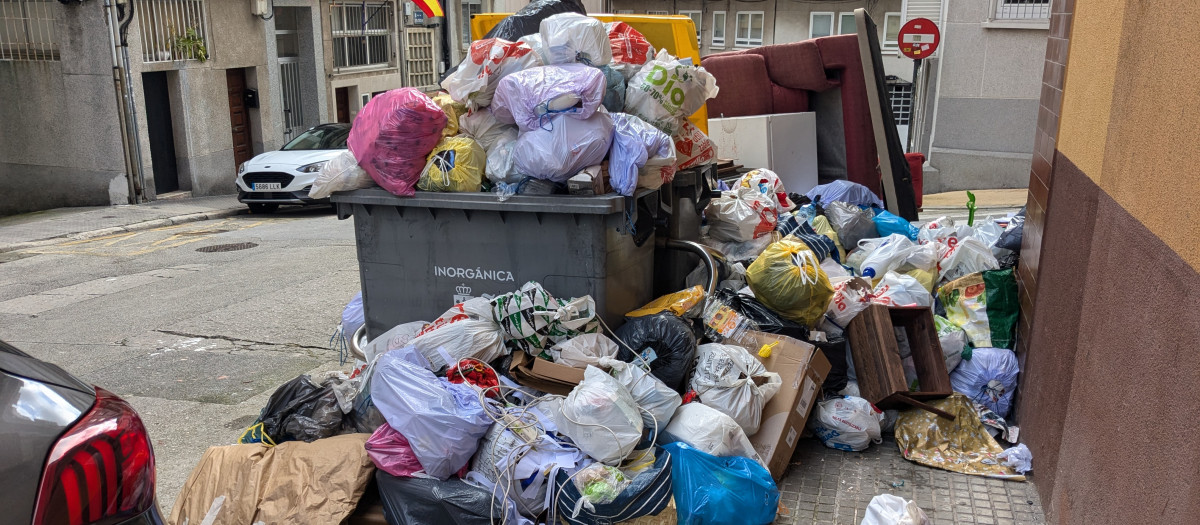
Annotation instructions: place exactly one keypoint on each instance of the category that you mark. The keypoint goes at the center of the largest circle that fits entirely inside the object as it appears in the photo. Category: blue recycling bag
(888, 223)
(718, 491)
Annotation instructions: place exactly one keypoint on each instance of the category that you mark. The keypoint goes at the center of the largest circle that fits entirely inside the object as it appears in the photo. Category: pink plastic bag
(392, 136)
(390, 452)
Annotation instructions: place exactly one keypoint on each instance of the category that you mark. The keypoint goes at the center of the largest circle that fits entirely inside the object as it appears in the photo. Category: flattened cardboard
(803, 369)
(544, 375)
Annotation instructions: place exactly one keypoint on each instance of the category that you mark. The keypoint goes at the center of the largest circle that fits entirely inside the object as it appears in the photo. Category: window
(27, 30)
(624, 11)
(658, 12)
(846, 25)
(469, 7)
(362, 34)
(891, 31)
(418, 57)
(749, 29)
(820, 24)
(718, 29)
(161, 22)
(900, 97)
(1022, 9)
(697, 19)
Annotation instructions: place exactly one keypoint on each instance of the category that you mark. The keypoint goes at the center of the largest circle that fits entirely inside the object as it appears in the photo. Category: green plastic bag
(985, 305)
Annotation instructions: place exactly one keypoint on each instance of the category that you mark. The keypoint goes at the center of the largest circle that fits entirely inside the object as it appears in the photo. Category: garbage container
(420, 255)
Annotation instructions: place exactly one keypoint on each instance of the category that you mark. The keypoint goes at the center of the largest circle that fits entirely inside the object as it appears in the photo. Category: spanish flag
(431, 8)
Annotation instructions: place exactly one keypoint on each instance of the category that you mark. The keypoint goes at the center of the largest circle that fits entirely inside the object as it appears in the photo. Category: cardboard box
(785, 143)
(544, 375)
(803, 368)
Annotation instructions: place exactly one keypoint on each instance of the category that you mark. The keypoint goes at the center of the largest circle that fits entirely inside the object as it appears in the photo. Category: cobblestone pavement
(826, 486)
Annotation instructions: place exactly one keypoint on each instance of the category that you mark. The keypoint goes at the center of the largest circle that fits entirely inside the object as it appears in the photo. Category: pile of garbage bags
(549, 95)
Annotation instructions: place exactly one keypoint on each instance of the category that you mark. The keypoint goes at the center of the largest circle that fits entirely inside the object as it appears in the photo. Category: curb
(137, 226)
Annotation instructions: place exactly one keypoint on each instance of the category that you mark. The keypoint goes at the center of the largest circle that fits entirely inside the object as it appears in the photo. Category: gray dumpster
(419, 256)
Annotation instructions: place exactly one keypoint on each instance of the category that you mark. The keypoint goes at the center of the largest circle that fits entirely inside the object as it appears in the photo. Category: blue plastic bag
(888, 223)
(713, 490)
(353, 316)
(989, 378)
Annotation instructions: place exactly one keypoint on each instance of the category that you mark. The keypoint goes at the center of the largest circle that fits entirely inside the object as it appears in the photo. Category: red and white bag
(692, 146)
(630, 49)
(488, 60)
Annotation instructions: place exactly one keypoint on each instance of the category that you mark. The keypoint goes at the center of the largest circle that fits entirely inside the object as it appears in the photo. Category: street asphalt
(196, 341)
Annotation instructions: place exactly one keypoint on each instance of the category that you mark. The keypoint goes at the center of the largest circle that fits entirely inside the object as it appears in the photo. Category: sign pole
(918, 39)
(912, 108)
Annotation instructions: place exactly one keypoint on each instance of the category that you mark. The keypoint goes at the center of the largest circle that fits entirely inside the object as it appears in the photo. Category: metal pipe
(139, 176)
(119, 90)
(705, 257)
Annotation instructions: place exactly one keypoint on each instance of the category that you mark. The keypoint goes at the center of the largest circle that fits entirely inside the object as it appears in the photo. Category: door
(239, 118)
(162, 136)
(293, 104)
(343, 104)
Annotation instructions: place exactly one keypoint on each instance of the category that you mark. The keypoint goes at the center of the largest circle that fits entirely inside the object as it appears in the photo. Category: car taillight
(101, 471)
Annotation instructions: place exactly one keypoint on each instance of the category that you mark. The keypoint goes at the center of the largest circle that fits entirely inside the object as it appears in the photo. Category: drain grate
(233, 247)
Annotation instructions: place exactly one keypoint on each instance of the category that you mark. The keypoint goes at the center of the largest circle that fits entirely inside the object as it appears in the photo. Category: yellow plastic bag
(788, 278)
(455, 165)
(821, 225)
(453, 111)
(677, 303)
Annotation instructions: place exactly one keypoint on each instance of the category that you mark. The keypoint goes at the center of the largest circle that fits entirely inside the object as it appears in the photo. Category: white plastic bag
(901, 290)
(962, 257)
(442, 421)
(692, 146)
(650, 393)
(572, 37)
(398, 337)
(465, 330)
(1018, 458)
(847, 423)
(482, 126)
(741, 215)
(850, 297)
(487, 61)
(601, 417)
(953, 340)
(667, 90)
(500, 166)
(886, 509)
(341, 173)
(641, 155)
(581, 351)
(528, 98)
(725, 380)
(563, 146)
(886, 256)
(709, 431)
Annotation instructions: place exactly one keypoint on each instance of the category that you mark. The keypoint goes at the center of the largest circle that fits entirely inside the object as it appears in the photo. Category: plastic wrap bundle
(741, 215)
(482, 126)
(341, 173)
(667, 90)
(455, 165)
(663, 340)
(708, 430)
(852, 223)
(969, 255)
(953, 340)
(500, 165)
(465, 330)
(648, 391)
(528, 19)
(474, 82)
(637, 147)
(788, 278)
(601, 417)
(614, 90)
(393, 134)
(732, 381)
(581, 351)
(844, 191)
(572, 37)
(563, 146)
(529, 98)
(989, 378)
(847, 423)
(630, 49)
(692, 146)
(442, 421)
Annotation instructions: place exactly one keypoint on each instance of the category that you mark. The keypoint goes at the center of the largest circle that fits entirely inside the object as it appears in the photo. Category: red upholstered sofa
(824, 75)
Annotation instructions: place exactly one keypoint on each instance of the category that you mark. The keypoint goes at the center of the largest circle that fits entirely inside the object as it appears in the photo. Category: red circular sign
(919, 38)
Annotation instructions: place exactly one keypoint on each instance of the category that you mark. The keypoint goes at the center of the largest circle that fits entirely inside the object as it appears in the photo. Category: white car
(285, 176)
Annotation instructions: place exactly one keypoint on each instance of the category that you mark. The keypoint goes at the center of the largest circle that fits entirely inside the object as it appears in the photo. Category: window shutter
(931, 9)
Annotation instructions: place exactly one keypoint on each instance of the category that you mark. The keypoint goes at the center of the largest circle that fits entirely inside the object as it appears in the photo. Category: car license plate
(264, 186)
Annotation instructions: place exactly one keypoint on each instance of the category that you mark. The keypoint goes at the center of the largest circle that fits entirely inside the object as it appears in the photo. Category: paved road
(195, 340)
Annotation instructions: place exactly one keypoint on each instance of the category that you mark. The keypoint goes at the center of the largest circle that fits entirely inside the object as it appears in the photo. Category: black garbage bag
(835, 351)
(767, 320)
(528, 19)
(672, 344)
(417, 501)
(1012, 237)
(301, 410)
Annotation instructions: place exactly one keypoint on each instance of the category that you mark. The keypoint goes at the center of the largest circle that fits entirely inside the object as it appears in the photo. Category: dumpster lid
(597, 205)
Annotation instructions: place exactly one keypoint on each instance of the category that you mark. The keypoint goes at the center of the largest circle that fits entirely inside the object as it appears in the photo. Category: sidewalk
(46, 227)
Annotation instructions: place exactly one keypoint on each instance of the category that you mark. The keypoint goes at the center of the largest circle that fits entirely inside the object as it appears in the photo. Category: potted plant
(191, 45)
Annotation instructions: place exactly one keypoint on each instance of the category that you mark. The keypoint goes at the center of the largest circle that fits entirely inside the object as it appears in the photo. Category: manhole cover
(227, 247)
